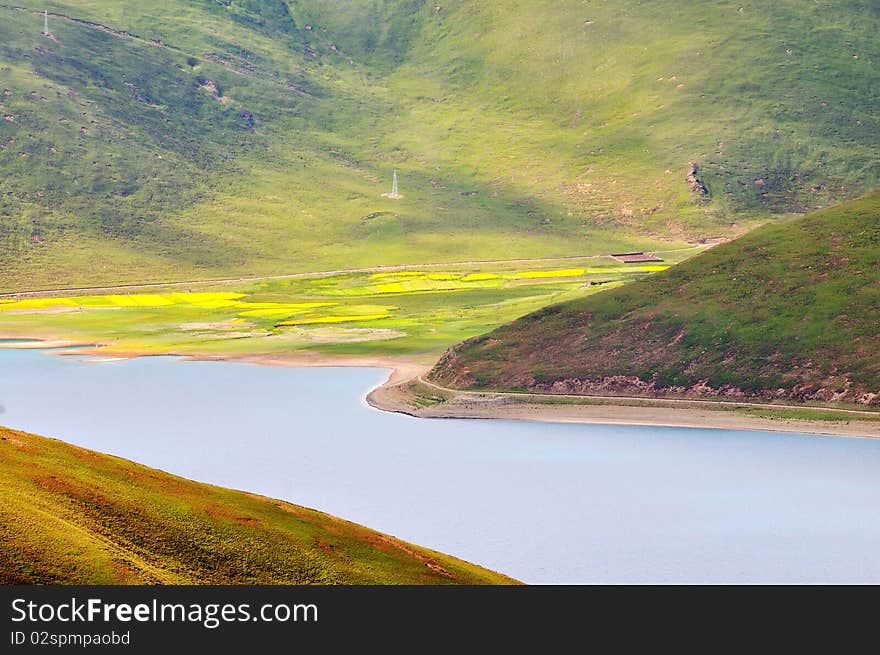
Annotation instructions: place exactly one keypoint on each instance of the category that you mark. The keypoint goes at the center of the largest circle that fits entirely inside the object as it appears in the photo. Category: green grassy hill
(179, 140)
(790, 311)
(74, 516)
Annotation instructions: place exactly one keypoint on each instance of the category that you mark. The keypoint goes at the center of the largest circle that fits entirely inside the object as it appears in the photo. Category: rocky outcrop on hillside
(694, 180)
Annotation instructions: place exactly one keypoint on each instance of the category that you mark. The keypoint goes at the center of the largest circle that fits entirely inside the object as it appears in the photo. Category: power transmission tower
(394, 195)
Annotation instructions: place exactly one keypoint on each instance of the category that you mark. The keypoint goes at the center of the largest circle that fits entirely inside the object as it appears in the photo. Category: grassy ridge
(73, 516)
(179, 140)
(787, 311)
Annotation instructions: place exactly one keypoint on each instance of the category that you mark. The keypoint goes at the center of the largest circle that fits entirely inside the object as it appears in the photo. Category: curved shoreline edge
(400, 395)
(397, 395)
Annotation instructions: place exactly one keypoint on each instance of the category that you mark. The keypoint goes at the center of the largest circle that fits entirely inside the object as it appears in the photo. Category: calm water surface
(546, 503)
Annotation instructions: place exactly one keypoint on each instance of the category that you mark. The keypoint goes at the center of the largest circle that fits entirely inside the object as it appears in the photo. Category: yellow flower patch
(566, 272)
(335, 319)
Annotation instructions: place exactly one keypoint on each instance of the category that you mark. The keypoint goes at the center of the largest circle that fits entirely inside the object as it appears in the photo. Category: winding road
(641, 401)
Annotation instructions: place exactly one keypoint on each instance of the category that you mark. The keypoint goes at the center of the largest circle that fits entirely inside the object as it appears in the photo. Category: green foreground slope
(74, 516)
(787, 311)
(158, 141)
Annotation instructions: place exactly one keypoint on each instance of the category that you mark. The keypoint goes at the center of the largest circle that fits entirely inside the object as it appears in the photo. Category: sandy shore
(402, 369)
(41, 343)
(395, 395)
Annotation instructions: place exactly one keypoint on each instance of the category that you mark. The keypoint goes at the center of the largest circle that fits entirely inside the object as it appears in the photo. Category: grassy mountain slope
(790, 310)
(171, 140)
(73, 516)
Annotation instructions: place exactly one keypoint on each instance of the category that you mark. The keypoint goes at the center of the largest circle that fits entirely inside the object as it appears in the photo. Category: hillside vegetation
(74, 516)
(157, 141)
(788, 311)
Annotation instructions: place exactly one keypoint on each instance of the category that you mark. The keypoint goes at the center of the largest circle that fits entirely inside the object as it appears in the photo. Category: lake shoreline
(494, 493)
(395, 395)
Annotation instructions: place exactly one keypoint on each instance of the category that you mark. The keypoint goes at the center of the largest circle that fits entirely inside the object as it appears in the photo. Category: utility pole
(45, 22)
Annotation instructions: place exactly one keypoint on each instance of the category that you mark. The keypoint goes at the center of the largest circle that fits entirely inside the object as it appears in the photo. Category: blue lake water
(545, 503)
